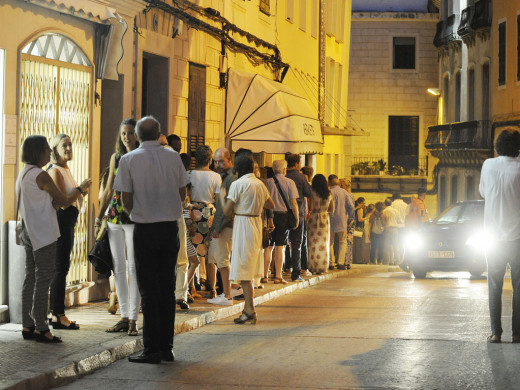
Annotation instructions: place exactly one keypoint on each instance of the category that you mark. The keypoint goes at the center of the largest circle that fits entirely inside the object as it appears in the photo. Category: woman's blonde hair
(55, 141)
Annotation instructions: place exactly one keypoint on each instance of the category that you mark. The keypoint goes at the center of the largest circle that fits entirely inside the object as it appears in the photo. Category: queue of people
(169, 225)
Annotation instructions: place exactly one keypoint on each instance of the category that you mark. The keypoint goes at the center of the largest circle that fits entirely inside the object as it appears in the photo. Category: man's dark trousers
(156, 247)
(296, 238)
(497, 258)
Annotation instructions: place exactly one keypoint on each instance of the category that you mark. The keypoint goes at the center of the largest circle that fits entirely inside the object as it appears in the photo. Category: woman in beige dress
(248, 196)
(318, 233)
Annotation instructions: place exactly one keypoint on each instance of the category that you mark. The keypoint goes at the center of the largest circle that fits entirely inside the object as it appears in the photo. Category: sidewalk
(30, 365)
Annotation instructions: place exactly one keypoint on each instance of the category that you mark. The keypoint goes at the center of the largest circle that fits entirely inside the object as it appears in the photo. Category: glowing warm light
(413, 241)
(434, 91)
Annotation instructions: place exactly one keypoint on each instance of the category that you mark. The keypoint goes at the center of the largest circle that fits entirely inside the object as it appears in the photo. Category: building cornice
(393, 16)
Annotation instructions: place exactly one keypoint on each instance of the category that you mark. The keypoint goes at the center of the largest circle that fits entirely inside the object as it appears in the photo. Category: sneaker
(305, 273)
(236, 292)
(221, 300)
(298, 279)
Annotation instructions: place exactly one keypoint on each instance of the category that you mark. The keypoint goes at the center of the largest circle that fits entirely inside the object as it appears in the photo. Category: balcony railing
(465, 22)
(375, 165)
(447, 31)
(460, 135)
(482, 17)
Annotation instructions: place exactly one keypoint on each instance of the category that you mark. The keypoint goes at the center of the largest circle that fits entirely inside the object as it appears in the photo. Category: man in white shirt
(391, 234)
(500, 188)
(153, 181)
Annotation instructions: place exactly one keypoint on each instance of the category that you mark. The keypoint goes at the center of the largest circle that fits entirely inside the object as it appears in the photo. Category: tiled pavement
(31, 365)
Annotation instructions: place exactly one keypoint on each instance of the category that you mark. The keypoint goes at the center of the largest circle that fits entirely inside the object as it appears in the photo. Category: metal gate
(55, 96)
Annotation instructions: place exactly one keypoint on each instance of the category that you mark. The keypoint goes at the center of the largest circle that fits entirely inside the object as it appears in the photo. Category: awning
(266, 116)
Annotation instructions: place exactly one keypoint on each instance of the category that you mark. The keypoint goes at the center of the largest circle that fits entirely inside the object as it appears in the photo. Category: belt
(247, 215)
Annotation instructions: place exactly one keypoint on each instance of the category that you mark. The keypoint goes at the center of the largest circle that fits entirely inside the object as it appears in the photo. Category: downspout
(321, 67)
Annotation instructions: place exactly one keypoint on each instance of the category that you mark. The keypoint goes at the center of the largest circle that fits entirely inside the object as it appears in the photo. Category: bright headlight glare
(480, 240)
(413, 241)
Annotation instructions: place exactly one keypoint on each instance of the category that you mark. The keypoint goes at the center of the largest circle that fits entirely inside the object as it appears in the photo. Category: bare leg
(247, 286)
(211, 273)
(267, 260)
(224, 273)
(278, 261)
(194, 263)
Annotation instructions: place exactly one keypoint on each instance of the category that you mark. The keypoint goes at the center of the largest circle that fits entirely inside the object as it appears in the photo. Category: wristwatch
(80, 190)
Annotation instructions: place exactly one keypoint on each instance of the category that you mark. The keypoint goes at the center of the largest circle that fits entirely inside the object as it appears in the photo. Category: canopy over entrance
(266, 116)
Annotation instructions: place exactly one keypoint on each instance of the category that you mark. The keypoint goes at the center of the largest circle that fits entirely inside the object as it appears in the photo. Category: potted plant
(355, 169)
(397, 170)
(381, 166)
(364, 167)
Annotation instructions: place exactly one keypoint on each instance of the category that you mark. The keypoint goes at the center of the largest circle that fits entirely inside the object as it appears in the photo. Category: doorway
(154, 98)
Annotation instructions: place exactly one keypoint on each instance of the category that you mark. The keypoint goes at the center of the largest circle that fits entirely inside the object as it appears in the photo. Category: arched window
(55, 97)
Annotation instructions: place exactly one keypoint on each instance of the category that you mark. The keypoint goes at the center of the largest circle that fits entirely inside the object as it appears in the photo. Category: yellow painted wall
(505, 99)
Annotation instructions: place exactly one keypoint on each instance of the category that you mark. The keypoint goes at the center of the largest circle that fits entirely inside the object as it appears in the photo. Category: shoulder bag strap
(19, 194)
(289, 209)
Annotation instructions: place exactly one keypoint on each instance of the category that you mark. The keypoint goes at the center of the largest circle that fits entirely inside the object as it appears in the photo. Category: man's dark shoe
(168, 356)
(331, 267)
(341, 267)
(298, 279)
(151, 358)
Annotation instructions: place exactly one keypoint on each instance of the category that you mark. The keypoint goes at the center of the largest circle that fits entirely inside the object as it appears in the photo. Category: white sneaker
(236, 291)
(221, 300)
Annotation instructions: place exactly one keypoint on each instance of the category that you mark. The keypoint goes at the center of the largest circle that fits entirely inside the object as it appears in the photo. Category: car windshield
(461, 213)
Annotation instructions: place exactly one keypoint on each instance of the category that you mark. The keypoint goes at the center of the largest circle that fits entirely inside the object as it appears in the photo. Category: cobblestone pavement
(30, 365)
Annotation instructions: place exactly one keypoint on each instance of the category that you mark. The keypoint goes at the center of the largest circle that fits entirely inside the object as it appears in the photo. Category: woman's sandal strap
(120, 326)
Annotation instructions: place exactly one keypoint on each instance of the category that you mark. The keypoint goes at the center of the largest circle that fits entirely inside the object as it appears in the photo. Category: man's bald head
(148, 129)
(222, 159)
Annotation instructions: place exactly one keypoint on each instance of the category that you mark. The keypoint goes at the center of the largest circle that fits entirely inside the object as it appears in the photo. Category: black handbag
(290, 223)
(100, 257)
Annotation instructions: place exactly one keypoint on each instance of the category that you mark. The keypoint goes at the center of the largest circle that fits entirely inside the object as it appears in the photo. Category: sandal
(112, 303)
(28, 334)
(194, 293)
(263, 280)
(132, 328)
(41, 338)
(494, 339)
(121, 325)
(59, 325)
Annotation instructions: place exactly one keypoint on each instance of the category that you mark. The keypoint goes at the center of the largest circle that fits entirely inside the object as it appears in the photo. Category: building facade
(463, 138)
(392, 64)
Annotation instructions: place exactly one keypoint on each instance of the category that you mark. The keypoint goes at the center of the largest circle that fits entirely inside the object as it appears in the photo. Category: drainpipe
(321, 66)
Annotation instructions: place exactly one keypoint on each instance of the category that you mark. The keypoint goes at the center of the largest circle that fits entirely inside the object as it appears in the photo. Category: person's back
(499, 186)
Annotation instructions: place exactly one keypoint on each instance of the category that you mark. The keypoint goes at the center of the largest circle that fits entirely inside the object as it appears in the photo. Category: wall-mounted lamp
(434, 91)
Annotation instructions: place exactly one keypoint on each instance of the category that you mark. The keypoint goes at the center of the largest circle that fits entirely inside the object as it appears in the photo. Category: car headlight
(413, 241)
(481, 240)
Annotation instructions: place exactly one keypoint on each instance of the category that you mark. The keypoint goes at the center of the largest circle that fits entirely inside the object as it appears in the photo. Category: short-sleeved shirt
(288, 187)
(220, 220)
(303, 187)
(393, 218)
(249, 195)
(343, 209)
(500, 187)
(204, 186)
(153, 175)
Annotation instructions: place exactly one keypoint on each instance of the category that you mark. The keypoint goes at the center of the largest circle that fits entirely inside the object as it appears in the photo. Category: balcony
(447, 31)
(377, 166)
(473, 135)
(465, 22)
(440, 36)
(482, 17)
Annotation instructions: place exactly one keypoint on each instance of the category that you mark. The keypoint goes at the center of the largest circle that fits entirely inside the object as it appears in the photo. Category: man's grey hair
(148, 129)
(279, 166)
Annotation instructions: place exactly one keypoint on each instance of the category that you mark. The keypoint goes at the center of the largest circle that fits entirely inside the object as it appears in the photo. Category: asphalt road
(372, 331)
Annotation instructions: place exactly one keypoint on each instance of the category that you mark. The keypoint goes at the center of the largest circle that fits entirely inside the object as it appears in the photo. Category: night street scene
(260, 194)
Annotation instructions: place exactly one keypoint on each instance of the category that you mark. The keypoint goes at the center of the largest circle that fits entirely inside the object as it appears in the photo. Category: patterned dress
(116, 213)
(318, 235)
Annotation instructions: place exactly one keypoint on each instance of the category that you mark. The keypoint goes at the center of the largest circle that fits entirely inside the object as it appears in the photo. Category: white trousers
(121, 237)
(181, 286)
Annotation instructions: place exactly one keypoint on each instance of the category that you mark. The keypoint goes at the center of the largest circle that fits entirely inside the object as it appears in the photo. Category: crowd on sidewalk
(174, 220)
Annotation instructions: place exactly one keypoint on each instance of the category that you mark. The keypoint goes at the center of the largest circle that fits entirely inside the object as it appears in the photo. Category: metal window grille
(265, 7)
(55, 98)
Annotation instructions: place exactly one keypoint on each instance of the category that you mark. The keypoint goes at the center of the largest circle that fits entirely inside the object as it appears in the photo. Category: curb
(69, 372)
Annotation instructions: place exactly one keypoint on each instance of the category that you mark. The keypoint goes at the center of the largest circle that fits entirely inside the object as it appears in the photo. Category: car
(454, 241)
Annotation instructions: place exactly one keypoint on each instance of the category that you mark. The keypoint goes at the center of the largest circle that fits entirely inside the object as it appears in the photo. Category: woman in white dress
(248, 196)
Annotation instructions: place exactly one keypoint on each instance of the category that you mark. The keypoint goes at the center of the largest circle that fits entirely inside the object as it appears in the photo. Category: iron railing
(399, 165)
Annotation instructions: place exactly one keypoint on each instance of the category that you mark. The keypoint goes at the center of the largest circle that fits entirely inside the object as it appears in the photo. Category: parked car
(454, 241)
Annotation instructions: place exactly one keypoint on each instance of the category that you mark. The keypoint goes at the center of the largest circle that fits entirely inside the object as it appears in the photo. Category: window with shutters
(196, 109)
(502, 53)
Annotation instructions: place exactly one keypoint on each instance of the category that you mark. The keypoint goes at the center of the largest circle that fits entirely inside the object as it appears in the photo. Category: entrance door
(403, 142)
(55, 97)
(196, 109)
(155, 89)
